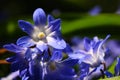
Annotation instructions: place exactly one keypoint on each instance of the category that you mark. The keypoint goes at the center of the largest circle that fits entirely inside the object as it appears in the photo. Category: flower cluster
(39, 55)
(45, 55)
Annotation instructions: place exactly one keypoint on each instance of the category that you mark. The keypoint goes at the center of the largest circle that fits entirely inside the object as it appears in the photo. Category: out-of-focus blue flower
(95, 10)
(40, 34)
(56, 12)
(114, 47)
(92, 54)
(77, 43)
(118, 10)
(117, 67)
(113, 51)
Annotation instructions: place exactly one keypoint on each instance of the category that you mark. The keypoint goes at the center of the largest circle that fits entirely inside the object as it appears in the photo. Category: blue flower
(118, 10)
(113, 48)
(41, 35)
(92, 54)
(95, 10)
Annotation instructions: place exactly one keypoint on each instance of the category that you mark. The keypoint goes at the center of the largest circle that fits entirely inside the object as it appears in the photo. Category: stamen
(104, 64)
(103, 75)
(102, 70)
(41, 35)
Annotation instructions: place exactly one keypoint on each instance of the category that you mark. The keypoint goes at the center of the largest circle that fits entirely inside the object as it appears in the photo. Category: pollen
(41, 35)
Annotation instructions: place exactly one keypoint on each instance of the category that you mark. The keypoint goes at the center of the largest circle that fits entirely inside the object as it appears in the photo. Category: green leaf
(90, 21)
(111, 68)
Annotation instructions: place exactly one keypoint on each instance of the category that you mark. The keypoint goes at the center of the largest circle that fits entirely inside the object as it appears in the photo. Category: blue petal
(31, 53)
(15, 66)
(13, 48)
(82, 76)
(61, 72)
(76, 41)
(108, 74)
(55, 25)
(46, 55)
(23, 72)
(56, 55)
(39, 17)
(50, 18)
(68, 49)
(67, 71)
(55, 34)
(26, 26)
(35, 70)
(84, 68)
(94, 41)
(87, 43)
(24, 77)
(117, 67)
(99, 44)
(19, 65)
(80, 55)
(56, 43)
(25, 41)
(41, 46)
(11, 59)
(70, 62)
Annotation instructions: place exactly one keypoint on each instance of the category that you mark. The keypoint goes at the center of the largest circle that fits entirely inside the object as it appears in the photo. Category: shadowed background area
(79, 17)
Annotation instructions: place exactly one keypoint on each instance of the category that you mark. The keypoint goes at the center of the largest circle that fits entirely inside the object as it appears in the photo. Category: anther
(41, 35)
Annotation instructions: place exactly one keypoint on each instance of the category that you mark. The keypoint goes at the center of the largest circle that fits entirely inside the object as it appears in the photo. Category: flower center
(41, 35)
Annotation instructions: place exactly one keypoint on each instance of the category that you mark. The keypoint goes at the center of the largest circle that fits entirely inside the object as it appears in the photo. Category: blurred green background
(77, 19)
